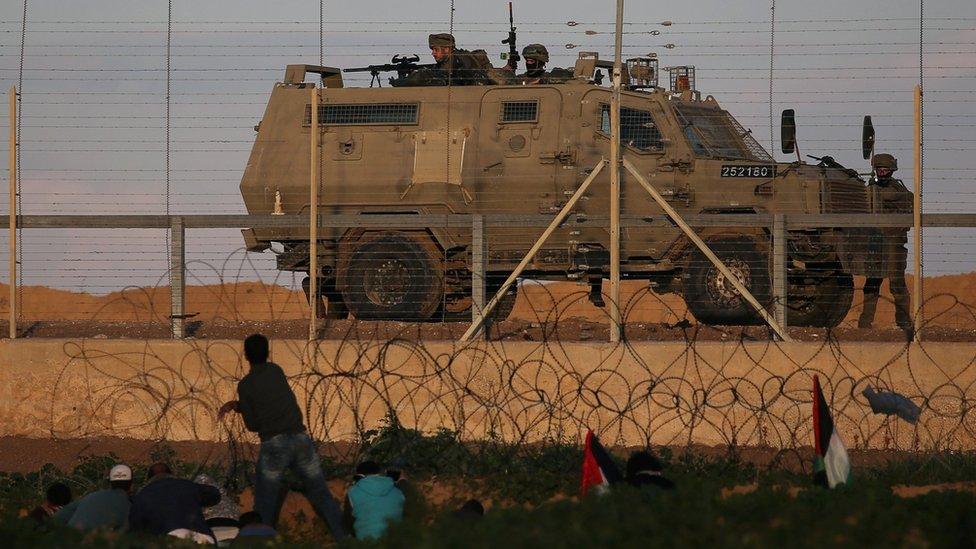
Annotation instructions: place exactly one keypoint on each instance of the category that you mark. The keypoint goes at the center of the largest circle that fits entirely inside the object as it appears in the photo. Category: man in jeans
(270, 409)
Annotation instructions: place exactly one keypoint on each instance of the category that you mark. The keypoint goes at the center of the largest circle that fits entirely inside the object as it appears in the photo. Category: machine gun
(829, 162)
(513, 54)
(402, 64)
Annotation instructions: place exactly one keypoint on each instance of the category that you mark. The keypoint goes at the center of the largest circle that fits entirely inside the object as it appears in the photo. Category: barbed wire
(505, 391)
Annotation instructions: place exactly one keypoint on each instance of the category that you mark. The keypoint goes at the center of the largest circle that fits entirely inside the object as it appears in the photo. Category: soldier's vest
(886, 249)
(472, 67)
(892, 197)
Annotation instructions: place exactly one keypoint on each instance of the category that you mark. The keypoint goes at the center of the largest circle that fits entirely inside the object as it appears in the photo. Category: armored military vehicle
(512, 149)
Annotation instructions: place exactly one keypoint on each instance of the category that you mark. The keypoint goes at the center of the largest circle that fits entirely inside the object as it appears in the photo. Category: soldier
(454, 66)
(889, 195)
(536, 56)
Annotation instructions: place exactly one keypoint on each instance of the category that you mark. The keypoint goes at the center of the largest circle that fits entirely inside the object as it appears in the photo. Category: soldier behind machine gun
(453, 66)
(889, 195)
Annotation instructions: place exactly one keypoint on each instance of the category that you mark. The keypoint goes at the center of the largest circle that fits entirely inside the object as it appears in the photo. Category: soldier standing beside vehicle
(536, 56)
(889, 195)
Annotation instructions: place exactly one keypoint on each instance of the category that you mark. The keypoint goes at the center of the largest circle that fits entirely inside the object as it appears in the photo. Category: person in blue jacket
(373, 502)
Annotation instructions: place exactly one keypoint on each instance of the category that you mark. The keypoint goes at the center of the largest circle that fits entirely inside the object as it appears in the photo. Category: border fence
(151, 130)
(776, 224)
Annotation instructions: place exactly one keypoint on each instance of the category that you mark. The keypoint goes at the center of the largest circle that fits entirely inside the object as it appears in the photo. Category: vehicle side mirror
(867, 138)
(788, 131)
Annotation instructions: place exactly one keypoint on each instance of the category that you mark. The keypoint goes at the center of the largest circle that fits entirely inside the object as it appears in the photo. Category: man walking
(889, 196)
(269, 408)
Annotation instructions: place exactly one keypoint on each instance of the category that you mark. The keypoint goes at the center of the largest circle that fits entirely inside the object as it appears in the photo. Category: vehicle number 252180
(748, 171)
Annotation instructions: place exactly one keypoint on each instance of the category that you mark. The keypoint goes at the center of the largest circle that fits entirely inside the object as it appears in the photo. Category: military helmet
(537, 52)
(442, 39)
(884, 160)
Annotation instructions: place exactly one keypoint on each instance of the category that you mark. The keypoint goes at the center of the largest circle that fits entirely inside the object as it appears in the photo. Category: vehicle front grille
(848, 196)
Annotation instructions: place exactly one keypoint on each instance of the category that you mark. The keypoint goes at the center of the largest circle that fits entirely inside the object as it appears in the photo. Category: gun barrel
(371, 68)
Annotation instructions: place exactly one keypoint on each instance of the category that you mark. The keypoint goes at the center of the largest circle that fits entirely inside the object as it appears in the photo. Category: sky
(93, 100)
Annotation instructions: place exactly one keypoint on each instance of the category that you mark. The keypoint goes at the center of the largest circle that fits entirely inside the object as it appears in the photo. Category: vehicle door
(519, 149)
(646, 143)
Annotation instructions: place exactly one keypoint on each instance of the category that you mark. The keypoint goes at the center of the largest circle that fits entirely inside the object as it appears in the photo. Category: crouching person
(373, 502)
(58, 495)
(104, 509)
(168, 505)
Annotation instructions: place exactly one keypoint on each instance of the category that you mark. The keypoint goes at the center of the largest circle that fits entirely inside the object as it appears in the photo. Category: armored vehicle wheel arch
(390, 276)
(714, 300)
(821, 298)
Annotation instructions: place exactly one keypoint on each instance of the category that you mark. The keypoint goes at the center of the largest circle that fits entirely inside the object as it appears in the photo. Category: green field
(720, 501)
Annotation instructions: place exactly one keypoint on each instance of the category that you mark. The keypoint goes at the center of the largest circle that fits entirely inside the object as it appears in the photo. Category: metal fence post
(779, 269)
(479, 254)
(12, 205)
(313, 220)
(616, 330)
(177, 266)
(917, 220)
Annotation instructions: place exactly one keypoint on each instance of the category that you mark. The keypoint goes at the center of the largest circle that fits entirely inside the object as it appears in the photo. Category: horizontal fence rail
(777, 224)
(793, 221)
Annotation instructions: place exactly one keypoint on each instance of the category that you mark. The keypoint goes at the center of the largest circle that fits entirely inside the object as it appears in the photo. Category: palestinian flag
(599, 470)
(831, 466)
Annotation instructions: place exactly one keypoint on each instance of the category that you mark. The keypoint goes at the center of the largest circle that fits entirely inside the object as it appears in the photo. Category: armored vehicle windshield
(713, 133)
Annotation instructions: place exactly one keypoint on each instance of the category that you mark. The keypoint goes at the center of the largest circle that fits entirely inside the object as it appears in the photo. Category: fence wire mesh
(110, 124)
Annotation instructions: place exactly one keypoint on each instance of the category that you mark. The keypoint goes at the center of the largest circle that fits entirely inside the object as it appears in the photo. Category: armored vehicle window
(520, 111)
(637, 128)
(714, 133)
(359, 115)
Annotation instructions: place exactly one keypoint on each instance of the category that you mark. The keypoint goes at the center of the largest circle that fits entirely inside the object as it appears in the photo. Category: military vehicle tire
(824, 307)
(711, 298)
(391, 276)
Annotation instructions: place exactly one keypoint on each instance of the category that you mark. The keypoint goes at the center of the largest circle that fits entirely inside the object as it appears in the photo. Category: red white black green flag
(599, 470)
(831, 467)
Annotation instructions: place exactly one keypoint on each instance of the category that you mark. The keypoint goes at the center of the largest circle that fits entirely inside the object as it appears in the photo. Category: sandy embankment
(950, 302)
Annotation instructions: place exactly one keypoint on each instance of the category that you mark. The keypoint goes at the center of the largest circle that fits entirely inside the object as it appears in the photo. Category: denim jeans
(294, 451)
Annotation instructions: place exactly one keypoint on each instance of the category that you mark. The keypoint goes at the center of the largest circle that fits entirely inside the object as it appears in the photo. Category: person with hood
(373, 502)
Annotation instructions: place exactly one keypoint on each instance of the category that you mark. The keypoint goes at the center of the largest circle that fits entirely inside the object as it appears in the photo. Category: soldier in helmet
(889, 195)
(536, 56)
(453, 66)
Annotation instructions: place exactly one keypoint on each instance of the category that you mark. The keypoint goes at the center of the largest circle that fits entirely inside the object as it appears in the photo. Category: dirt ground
(558, 310)
(511, 330)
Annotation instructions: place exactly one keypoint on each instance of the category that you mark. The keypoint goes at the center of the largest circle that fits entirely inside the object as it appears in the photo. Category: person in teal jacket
(373, 502)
